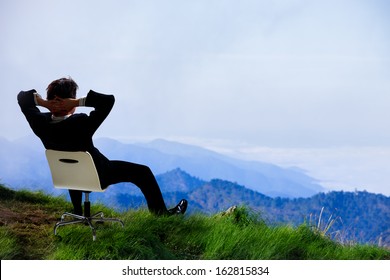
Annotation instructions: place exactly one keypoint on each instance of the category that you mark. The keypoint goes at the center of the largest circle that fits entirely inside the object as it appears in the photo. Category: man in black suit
(62, 129)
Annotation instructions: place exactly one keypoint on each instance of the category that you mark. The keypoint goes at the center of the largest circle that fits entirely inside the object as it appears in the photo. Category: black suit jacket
(74, 133)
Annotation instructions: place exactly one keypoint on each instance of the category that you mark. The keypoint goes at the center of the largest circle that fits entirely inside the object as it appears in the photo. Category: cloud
(341, 168)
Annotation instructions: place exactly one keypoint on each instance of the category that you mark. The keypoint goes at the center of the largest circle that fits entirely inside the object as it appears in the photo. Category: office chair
(77, 171)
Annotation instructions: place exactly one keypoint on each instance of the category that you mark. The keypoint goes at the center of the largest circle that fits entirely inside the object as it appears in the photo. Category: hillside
(27, 220)
(355, 216)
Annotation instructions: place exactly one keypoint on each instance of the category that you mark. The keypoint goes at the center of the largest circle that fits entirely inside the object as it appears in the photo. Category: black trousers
(117, 171)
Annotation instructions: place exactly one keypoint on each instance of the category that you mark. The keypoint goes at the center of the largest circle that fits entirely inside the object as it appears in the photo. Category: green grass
(8, 244)
(238, 235)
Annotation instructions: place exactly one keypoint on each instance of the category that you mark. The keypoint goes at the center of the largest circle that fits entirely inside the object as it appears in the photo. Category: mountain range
(22, 163)
(346, 216)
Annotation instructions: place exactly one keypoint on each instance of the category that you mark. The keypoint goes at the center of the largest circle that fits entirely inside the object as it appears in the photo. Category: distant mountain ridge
(162, 156)
(22, 162)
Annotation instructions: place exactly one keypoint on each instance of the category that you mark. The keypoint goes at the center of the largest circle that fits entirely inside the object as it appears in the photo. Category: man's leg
(142, 177)
(76, 197)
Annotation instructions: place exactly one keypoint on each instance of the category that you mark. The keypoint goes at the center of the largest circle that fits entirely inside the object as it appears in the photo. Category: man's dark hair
(62, 88)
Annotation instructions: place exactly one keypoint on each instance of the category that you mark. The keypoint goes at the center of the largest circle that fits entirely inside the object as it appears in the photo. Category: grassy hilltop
(27, 220)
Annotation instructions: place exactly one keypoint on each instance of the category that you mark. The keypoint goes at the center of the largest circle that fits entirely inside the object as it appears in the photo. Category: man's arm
(28, 106)
(102, 103)
(26, 99)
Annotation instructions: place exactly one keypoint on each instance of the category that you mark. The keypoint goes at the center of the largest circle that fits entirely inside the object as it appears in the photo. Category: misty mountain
(23, 164)
(163, 156)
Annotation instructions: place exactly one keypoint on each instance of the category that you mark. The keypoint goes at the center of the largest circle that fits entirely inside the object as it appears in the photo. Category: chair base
(78, 219)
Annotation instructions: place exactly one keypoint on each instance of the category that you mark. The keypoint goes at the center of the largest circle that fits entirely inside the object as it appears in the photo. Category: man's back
(69, 133)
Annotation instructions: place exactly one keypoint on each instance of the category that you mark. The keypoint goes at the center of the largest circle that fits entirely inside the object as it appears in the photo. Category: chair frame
(86, 219)
(68, 161)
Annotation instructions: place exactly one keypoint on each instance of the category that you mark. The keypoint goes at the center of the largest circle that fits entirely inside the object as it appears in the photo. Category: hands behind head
(62, 106)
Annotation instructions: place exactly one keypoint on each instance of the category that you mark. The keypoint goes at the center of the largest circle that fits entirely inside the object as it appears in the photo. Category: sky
(298, 83)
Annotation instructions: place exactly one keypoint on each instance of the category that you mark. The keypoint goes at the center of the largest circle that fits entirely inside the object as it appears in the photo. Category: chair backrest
(73, 170)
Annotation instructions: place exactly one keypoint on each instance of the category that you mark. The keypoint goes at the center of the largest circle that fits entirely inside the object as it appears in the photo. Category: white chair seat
(73, 170)
(76, 171)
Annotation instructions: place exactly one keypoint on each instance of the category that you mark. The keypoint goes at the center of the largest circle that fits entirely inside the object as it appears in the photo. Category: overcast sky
(285, 75)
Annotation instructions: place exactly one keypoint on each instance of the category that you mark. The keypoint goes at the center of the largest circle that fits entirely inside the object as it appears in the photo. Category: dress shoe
(179, 208)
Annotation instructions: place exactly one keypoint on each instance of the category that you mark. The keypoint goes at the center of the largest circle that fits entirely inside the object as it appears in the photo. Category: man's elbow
(21, 96)
(25, 97)
(111, 99)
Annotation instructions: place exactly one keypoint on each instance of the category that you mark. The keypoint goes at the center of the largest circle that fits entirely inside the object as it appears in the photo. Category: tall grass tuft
(323, 226)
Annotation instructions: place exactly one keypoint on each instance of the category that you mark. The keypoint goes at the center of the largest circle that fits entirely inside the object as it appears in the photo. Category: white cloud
(341, 168)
